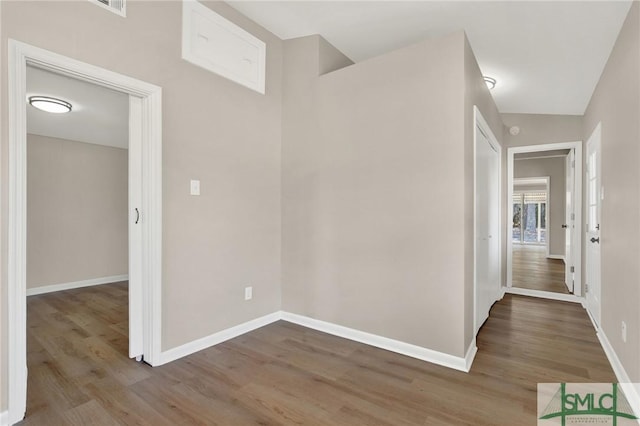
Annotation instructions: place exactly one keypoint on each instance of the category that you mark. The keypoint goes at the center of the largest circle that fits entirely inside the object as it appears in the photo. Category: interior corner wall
(373, 201)
(299, 130)
(554, 168)
(476, 94)
(329, 58)
(77, 211)
(214, 130)
(616, 104)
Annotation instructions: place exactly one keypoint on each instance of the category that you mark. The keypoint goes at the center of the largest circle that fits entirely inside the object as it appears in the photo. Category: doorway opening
(544, 187)
(77, 237)
(145, 166)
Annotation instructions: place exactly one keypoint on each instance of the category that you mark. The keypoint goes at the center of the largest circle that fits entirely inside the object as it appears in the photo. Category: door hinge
(586, 288)
(573, 216)
(573, 164)
(573, 269)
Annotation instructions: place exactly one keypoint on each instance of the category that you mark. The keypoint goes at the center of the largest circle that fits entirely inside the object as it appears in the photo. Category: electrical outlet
(248, 293)
(194, 187)
(624, 332)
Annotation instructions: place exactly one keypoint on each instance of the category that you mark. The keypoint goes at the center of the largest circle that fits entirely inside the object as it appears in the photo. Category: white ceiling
(546, 55)
(99, 115)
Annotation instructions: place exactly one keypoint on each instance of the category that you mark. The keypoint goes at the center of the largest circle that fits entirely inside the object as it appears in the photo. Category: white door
(569, 221)
(593, 225)
(487, 222)
(135, 229)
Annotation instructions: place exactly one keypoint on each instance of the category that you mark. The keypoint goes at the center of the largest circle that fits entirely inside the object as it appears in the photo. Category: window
(529, 217)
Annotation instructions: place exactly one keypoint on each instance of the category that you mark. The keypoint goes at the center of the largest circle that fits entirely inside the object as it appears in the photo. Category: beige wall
(616, 104)
(539, 129)
(375, 190)
(77, 199)
(554, 168)
(213, 130)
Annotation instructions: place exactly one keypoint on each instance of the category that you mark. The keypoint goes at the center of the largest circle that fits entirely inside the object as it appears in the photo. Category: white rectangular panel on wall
(218, 45)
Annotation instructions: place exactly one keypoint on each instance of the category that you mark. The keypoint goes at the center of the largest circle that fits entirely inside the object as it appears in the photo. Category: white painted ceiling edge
(99, 116)
(546, 55)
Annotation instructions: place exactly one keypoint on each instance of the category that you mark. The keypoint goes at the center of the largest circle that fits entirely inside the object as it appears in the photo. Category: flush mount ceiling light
(491, 82)
(45, 103)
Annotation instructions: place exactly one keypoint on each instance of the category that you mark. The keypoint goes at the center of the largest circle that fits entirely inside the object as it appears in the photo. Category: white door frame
(479, 121)
(577, 146)
(150, 121)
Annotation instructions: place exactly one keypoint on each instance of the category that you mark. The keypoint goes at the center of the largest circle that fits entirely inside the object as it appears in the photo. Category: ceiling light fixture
(491, 82)
(45, 103)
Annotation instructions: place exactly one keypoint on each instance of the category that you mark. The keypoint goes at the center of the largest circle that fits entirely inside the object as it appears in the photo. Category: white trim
(555, 256)
(470, 356)
(4, 418)
(578, 202)
(419, 352)
(424, 354)
(541, 157)
(216, 338)
(76, 284)
(631, 390)
(594, 305)
(544, 294)
(19, 55)
(503, 291)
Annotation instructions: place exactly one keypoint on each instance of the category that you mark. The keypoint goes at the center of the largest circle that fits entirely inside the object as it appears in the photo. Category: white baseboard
(556, 256)
(429, 355)
(4, 418)
(76, 284)
(216, 338)
(502, 292)
(631, 390)
(470, 356)
(544, 294)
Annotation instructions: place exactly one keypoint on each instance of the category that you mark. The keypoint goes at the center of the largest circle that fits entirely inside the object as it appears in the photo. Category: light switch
(195, 187)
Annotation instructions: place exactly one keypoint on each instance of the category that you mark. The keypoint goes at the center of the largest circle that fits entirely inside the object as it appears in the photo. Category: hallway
(534, 271)
(286, 374)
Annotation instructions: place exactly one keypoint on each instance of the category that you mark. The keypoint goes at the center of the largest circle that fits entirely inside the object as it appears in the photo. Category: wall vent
(216, 44)
(116, 6)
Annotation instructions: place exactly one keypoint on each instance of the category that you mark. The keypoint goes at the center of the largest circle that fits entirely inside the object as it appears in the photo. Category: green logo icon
(589, 401)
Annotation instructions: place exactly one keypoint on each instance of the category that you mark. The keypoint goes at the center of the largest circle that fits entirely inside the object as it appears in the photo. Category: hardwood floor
(532, 270)
(79, 373)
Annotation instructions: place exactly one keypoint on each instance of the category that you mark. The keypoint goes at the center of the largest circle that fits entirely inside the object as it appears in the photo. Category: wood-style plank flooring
(79, 373)
(532, 270)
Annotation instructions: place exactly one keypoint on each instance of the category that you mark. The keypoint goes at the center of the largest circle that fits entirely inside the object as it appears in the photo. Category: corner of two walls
(377, 172)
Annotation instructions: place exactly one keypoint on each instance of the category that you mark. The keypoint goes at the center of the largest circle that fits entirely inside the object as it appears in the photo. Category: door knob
(595, 240)
(564, 226)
